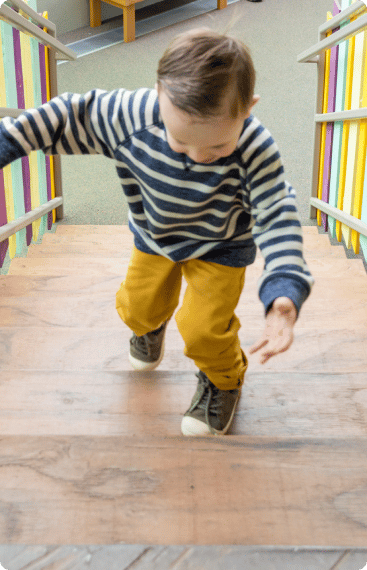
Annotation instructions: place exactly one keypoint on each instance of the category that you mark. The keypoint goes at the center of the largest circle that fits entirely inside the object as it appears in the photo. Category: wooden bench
(128, 8)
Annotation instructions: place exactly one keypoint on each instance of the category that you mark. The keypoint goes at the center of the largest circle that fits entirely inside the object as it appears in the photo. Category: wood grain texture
(189, 491)
(91, 451)
(100, 403)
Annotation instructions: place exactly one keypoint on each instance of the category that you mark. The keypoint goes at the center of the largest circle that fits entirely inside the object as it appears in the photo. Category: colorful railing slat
(342, 181)
(8, 205)
(21, 105)
(43, 56)
(14, 173)
(363, 239)
(3, 213)
(338, 125)
(354, 131)
(346, 132)
(29, 182)
(323, 154)
(332, 66)
(356, 205)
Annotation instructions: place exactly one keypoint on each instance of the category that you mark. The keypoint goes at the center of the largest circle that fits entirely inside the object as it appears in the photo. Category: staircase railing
(30, 189)
(339, 182)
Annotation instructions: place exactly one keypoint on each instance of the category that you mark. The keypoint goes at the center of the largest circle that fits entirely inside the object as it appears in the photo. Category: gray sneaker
(146, 352)
(211, 410)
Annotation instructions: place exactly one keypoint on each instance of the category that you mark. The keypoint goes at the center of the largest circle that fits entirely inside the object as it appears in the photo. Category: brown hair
(200, 67)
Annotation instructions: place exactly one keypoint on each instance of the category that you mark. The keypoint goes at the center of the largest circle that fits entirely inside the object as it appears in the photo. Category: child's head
(206, 83)
(201, 67)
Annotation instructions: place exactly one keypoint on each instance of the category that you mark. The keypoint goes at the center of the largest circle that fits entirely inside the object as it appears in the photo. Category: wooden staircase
(91, 451)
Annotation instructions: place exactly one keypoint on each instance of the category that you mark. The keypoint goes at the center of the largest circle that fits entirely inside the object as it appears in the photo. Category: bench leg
(129, 23)
(221, 4)
(95, 13)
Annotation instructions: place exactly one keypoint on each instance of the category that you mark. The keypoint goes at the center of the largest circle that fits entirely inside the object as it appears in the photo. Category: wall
(69, 15)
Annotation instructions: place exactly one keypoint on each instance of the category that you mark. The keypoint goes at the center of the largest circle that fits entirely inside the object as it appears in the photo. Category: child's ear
(256, 99)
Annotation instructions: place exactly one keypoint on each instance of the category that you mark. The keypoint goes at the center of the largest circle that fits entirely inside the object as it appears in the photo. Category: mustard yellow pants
(206, 320)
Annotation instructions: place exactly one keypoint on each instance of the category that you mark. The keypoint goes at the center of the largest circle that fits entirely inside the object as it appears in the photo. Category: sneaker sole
(142, 366)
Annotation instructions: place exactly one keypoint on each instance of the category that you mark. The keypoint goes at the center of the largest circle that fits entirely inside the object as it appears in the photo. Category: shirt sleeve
(92, 123)
(277, 228)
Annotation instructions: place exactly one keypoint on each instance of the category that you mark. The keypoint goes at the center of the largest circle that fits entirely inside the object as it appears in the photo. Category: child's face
(204, 140)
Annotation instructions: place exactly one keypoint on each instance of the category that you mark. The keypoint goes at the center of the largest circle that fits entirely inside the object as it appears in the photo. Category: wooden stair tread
(57, 266)
(90, 229)
(98, 310)
(315, 349)
(43, 285)
(154, 490)
(91, 402)
(72, 229)
(93, 266)
(81, 432)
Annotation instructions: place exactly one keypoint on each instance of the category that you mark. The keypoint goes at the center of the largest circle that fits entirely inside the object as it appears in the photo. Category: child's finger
(258, 345)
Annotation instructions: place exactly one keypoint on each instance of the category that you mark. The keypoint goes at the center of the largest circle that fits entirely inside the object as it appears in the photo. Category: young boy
(205, 185)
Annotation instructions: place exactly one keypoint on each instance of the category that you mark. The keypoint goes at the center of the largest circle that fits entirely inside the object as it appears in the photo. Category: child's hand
(278, 334)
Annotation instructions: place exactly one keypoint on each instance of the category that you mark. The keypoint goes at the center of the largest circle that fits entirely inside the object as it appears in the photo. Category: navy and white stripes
(178, 208)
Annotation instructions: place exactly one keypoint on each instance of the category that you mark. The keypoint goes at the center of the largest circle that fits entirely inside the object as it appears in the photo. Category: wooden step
(87, 229)
(81, 432)
(45, 286)
(100, 245)
(158, 490)
(97, 310)
(79, 285)
(57, 266)
(93, 266)
(82, 243)
(315, 350)
(128, 403)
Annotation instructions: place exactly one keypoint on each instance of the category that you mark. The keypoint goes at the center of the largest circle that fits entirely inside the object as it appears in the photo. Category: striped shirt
(180, 209)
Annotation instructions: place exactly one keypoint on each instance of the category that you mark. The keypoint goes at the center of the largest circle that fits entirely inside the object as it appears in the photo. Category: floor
(302, 460)
(172, 557)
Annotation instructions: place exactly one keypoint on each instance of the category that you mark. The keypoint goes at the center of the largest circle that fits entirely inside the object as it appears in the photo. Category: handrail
(13, 227)
(350, 221)
(329, 36)
(26, 9)
(21, 22)
(334, 39)
(10, 112)
(352, 115)
(342, 16)
(24, 25)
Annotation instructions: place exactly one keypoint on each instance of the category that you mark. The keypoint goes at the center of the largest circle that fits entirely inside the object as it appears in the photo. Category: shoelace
(142, 343)
(205, 400)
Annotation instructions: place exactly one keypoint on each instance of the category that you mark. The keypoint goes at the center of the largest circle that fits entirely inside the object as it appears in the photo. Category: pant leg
(150, 293)
(208, 324)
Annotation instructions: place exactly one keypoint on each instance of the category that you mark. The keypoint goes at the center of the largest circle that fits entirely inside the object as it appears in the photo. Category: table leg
(129, 23)
(95, 13)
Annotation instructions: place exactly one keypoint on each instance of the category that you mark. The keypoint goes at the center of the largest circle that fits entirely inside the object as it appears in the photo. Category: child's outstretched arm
(94, 123)
(286, 281)
(278, 334)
